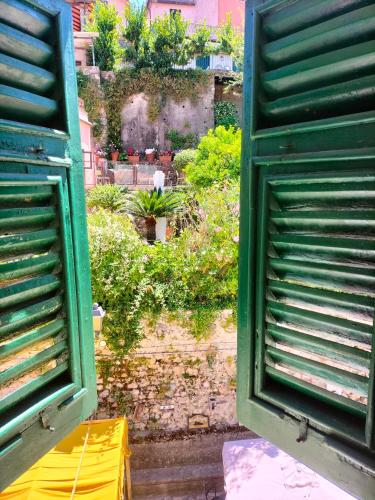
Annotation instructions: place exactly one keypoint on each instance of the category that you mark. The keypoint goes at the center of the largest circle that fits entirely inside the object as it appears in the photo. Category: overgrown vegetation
(225, 113)
(181, 141)
(178, 86)
(105, 20)
(218, 158)
(195, 271)
(89, 90)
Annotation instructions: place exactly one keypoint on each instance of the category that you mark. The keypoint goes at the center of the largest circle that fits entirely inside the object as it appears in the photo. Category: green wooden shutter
(47, 370)
(307, 261)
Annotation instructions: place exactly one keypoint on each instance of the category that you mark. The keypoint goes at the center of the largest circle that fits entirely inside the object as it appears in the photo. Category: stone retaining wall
(171, 377)
(186, 117)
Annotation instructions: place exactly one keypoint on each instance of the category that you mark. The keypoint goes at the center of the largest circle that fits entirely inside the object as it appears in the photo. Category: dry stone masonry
(171, 377)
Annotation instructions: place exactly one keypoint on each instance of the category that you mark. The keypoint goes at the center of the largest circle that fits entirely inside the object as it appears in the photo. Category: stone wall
(187, 117)
(171, 377)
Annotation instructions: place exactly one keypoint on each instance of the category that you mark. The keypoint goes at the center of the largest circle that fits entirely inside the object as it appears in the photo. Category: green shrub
(118, 277)
(180, 141)
(218, 158)
(107, 196)
(225, 113)
(183, 158)
(196, 271)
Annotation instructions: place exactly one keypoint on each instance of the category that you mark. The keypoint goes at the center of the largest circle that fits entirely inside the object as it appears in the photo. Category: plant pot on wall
(165, 158)
(133, 159)
(115, 155)
(150, 155)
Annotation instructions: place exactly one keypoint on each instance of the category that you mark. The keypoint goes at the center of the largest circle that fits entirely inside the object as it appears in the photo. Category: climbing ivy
(226, 114)
(89, 90)
(178, 86)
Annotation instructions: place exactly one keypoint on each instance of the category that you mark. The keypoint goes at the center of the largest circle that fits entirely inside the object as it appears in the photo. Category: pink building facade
(213, 12)
(119, 4)
(237, 10)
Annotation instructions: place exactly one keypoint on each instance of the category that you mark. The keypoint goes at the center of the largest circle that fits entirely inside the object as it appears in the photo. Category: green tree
(136, 33)
(105, 20)
(169, 41)
(165, 42)
(229, 39)
(200, 44)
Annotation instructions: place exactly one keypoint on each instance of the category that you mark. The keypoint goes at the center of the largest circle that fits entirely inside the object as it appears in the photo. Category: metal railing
(88, 160)
(142, 175)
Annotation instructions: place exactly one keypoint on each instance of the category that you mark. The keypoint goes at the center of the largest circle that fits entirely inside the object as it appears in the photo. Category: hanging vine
(89, 90)
(178, 86)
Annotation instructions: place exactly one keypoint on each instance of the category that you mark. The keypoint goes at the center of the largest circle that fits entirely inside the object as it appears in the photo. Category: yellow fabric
(87, 464)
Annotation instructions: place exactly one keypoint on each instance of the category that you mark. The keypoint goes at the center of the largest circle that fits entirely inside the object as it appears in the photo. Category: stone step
(187, 481)
(197, 449)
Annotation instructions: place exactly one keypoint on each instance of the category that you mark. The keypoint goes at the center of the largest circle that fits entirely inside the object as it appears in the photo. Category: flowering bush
(196, 271)
(218, 158)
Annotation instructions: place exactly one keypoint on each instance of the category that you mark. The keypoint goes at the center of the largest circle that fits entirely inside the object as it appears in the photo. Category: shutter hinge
(303, 427)
(44, 419)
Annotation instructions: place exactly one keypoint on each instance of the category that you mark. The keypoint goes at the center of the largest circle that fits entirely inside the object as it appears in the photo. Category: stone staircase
(183, 469)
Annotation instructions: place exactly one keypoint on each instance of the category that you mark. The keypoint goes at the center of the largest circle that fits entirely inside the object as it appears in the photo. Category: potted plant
(133, 156)
(153, 206)
(150, 155)
(114, 151)
(99, 153)
(123, 157)
(165, 156)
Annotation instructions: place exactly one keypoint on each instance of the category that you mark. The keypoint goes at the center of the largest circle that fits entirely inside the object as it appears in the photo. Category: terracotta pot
(150, 157)
(133, 159)
(115, 155)
(165, 158)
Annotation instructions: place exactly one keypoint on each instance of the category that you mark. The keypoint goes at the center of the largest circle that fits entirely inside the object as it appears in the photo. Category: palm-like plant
(149, 205)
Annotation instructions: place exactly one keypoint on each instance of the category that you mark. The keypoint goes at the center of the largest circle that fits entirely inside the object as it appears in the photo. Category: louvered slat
(25, 17)
(33, 332)
(318, 65)
(14, 103)
(299, 15)
(32, 78)
(24, 47)
(28, 68)
(321, 287)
